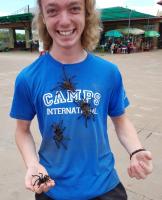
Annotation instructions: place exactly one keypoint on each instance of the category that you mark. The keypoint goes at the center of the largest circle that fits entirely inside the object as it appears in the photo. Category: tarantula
(86, 109)
(59, 136)
(41, 179)
(66, 84)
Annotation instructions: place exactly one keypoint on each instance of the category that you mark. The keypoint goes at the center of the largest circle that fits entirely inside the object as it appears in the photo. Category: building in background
(116, 18)
(112, 18)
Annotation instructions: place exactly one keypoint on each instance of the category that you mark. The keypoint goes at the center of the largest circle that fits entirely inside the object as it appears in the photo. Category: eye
(51, 12)
(75, 9)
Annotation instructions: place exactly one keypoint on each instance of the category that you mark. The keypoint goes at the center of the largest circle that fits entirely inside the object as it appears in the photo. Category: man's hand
(30, 180)
(140, 165)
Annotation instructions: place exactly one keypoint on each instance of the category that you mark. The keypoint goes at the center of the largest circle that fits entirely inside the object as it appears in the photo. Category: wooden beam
(16, 25)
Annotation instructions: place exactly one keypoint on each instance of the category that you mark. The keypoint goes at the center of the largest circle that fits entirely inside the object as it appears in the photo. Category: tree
(20, 37)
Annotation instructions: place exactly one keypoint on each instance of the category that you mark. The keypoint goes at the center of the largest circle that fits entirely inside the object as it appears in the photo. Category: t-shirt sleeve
(22, 106)
(118, 98)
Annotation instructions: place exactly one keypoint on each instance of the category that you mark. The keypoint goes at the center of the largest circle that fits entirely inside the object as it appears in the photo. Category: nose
(65, 18)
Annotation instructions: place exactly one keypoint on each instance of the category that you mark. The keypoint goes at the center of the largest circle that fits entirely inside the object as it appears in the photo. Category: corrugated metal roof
(16, 18)
(120, 13)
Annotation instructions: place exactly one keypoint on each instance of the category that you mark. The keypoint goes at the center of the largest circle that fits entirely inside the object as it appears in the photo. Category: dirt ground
(142, 74)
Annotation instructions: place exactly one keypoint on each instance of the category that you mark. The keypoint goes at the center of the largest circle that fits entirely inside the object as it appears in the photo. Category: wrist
(32, 164)
(136, 151)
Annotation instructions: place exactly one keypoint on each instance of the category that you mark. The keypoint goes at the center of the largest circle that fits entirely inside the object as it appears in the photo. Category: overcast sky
(146, 6)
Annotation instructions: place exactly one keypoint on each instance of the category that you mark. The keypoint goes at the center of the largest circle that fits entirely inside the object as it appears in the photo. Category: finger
(144, 155)
(135, 175)
(28, 184)
(51, 183)
(138, 172)
(148, 155)
(147, 168)
(48, 185)
(45, 188)
(29, 187)
(130, 173)
(38, 189)
(134, 171)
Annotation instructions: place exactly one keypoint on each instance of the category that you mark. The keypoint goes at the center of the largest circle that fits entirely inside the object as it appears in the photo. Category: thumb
(28, 182)
(28, 185)
(148, 155)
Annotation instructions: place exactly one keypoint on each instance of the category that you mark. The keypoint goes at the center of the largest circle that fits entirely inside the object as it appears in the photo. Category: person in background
(41, 48)
(75, 161)
(112, 47)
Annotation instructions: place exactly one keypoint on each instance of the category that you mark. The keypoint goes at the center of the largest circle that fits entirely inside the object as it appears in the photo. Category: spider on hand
(41, 179)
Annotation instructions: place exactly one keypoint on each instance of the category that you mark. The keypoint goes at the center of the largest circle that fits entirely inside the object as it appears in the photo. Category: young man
(72, 92)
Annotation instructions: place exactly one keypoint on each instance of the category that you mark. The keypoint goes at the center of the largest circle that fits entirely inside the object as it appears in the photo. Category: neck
(69, 56)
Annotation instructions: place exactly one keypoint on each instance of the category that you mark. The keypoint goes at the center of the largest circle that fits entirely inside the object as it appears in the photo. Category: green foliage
(3, 35)
(20, 36)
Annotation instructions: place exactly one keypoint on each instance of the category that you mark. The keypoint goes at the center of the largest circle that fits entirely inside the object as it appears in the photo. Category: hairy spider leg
(88, 113)
(58, 143)
(65, 76)
(59, 137)
(38, 179)
(56, 88)
(86, 119)
(61, 123)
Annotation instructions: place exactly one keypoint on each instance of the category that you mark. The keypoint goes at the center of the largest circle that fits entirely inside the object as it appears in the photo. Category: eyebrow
(50, 5)
(74, 3)
(70, 4)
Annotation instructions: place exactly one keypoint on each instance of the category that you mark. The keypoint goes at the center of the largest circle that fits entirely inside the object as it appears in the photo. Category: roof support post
(27, 38)
(155, 39)
(129, 21)
(11, 38)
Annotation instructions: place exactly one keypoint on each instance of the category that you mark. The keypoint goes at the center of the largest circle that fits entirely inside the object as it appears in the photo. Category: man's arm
(26, 145)
(141, 162)
(126, 133)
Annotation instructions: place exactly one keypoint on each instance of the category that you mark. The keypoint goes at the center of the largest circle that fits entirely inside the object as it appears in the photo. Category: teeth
(65, 33)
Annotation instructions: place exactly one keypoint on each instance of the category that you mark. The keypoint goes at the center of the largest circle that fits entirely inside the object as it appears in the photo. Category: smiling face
(65, 21)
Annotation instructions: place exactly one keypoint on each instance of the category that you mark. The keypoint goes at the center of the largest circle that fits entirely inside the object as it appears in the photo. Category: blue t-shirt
(81, 163)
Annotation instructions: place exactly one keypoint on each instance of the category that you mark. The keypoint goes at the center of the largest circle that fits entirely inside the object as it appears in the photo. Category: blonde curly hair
(90, 36)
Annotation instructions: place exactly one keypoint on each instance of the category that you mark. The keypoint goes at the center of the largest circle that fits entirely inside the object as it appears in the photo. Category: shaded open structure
(112, 18)
(17, 22)
(119, 17)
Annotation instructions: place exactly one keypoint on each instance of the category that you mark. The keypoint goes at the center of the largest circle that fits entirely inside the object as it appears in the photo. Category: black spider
(87, 110)
(66, 84)
(59, 136)
(41, 179)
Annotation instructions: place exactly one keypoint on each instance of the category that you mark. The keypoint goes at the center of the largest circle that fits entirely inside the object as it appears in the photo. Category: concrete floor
(142, 74)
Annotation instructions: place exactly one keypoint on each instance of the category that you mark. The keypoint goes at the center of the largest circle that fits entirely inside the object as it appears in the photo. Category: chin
(68, 44)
